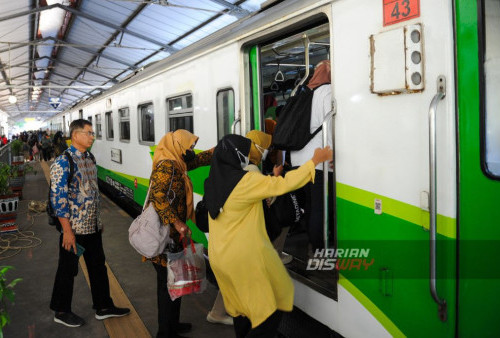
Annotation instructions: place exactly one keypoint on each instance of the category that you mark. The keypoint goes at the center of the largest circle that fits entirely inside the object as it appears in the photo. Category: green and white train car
(416, 132)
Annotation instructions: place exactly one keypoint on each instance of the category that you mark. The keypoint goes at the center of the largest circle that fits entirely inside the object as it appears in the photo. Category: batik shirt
(80, 204)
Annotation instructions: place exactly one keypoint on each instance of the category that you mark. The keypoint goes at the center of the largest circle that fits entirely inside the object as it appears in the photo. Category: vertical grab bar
(233, 126)
(441, 93)
(324, 132)
(306, 54)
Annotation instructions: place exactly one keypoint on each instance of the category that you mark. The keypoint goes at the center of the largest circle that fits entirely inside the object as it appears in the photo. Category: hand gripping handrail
(326, 165)
(441, 93)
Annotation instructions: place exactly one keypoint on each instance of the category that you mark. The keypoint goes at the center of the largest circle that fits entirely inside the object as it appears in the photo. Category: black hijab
(225, 171)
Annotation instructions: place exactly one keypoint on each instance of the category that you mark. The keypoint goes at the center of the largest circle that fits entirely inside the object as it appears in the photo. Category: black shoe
(69, 319)
(184, 327)
(111, 312)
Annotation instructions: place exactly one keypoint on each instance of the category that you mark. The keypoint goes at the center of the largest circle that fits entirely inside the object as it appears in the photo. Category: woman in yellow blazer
(254, 282)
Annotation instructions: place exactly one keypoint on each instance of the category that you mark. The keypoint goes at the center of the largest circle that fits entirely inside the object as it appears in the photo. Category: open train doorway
(278, 68)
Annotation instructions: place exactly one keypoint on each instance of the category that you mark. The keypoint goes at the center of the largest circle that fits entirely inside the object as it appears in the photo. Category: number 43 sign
(400, 10)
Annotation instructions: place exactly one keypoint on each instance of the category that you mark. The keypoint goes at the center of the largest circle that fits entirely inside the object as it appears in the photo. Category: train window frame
(98, 126)
(139, 115)
(483, 128)
(230, 120)
(184, 112)
(109, 126)
(124, 120)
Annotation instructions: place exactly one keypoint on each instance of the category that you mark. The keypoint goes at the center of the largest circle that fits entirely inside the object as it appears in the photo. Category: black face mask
(189, 156)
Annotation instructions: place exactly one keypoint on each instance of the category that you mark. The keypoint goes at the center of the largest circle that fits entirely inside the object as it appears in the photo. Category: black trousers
(168, 311)
(268, 329)
(314, 209)
(67, 269)
(46, 154)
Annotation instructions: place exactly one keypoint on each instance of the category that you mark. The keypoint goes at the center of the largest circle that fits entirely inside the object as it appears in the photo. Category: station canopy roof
(56, 53)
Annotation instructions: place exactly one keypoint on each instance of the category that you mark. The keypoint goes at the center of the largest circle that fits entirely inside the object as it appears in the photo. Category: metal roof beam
(31, 11)
(86, 70)
(70, 78)
(234, 10)
(100, 21)
(131, 67)
(17, 45)
(76, 66)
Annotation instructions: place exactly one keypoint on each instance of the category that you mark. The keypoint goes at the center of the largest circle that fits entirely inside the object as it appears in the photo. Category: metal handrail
(233, 126)
(306, 54)
(5, 154)
(326, 164)
(441, 93)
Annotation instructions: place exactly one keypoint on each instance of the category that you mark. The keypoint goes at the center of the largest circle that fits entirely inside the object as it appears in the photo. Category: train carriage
(416, 137)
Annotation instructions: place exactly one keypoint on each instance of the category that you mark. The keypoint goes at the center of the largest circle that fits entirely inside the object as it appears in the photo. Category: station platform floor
(132, 282)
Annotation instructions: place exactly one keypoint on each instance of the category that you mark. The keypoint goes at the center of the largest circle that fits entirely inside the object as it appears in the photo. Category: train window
(98, 126)
(80, 114)
(124, 124)
(225, 112)
(491, 86)
(147, 125)
(109, 126)
(180, 112)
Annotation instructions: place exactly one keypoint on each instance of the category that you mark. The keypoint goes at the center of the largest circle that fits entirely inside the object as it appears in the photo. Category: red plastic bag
(186, 271)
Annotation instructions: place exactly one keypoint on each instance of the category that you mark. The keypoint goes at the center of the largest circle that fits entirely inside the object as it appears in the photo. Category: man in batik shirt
(76, 204)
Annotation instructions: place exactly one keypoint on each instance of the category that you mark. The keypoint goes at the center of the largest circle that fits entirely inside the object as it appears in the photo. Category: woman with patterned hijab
(171, 193)
(255, 285)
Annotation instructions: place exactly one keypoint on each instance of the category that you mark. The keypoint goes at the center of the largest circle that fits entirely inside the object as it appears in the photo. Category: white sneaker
(226, 320)
(286, 258)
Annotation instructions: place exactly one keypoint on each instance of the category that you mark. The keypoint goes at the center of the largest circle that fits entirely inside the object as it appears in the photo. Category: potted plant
(16, 180)
(8, 200)
(6, 294)
(17, 147)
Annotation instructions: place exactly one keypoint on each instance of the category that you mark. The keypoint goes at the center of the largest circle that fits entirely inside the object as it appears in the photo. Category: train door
(478, 69)
(277, 67)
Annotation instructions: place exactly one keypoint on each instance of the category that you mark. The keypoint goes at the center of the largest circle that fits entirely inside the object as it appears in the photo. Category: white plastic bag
(186, 271)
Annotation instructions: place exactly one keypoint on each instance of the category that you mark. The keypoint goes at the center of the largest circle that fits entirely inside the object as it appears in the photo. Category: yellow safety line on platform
(128, 326)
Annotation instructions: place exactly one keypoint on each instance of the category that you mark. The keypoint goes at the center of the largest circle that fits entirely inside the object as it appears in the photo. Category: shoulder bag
(147, 235)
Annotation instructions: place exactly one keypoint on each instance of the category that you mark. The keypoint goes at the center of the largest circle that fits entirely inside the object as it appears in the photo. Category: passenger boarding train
(416, 136)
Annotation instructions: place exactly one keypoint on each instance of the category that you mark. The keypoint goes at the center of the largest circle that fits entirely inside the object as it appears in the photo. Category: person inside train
(255, 285)
(321, 106)
(172, 198)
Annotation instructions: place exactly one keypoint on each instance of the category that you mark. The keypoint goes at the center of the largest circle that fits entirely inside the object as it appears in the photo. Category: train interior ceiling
(283, 62)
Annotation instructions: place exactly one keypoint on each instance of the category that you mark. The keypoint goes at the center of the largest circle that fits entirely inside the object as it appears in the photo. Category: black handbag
(201, 214)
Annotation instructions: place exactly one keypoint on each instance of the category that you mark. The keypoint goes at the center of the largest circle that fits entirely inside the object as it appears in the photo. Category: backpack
(52, 218)
(293, 131)
(289, 208)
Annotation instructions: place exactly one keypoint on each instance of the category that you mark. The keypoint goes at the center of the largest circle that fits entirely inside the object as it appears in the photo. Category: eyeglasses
(88, 133)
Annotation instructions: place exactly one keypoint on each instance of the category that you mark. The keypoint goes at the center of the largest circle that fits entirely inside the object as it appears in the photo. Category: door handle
(440, 95)
(326, 164)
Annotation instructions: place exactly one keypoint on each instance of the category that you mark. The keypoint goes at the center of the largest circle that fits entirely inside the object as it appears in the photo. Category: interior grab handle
(326, 165)
(441, 93)
(306, 54)
(233, 126)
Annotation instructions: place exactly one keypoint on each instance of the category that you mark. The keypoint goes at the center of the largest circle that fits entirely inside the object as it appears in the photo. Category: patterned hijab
(322, 75)
(171, 147)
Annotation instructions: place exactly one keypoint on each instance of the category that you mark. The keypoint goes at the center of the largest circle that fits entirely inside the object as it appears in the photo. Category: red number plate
(400, 10)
